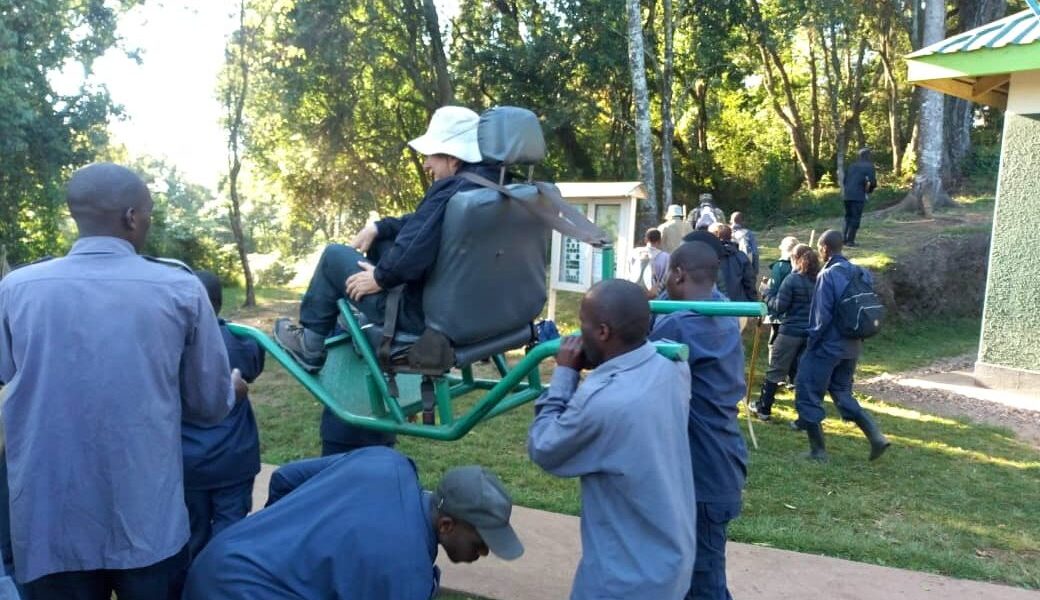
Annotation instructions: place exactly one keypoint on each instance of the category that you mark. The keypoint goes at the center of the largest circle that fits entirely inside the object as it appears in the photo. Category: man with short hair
(717, 450)
(650, 262)
(673, 229)
(622, 431)
(356, 525)
(860, 180)
(745, 239)
(222, 460)
(735, 267)
(104, 353)
(829, 360)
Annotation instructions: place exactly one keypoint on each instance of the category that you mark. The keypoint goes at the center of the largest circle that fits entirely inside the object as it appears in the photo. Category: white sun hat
(674, 210)
(452, 131)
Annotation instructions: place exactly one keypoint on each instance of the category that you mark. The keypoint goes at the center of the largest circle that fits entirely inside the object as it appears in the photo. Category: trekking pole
(750, 381)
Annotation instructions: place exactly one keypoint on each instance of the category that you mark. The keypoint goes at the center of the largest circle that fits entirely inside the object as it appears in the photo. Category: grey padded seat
(489, 282)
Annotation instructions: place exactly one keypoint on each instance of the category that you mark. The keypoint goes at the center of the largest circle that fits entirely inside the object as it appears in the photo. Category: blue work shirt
(824, 337)
(104, 353)
(717, 386)
(354, 525)
(623, 432)
(229, 452)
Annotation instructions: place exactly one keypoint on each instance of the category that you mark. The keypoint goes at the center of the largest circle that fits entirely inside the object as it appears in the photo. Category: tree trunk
(445, 89)
(236, 101)
(641, 98)
(959, 114)
(667, 125)
(927, 193)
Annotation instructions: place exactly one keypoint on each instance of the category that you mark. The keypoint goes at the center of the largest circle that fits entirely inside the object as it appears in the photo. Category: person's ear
(603, 332)
(130, 219)
(445, 525)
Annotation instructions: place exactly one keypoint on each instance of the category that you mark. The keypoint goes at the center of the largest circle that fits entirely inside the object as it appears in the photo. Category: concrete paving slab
(965, 384)
(553, 545)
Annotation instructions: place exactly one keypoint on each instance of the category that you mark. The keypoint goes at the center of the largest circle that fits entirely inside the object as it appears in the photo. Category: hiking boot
(764, 406)
(306, 346)
(878, 442)
(816, 451)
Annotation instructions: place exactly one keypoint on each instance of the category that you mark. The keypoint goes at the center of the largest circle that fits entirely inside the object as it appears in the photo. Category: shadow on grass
(949, 497)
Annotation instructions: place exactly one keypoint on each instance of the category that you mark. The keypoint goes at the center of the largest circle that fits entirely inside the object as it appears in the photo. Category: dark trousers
(161, 581)
(818, 375)
(709, 568)
(338, 437)
(853, 215)
(318, 309)
(211, 511)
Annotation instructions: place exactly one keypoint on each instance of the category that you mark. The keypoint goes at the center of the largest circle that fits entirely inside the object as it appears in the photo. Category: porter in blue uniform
(623, 432)
(104, 354)
(220, 462)
(355, 525)
(717, 448)
(829, 360)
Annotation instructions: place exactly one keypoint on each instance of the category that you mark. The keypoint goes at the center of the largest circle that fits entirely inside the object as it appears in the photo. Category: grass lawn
(950, 497)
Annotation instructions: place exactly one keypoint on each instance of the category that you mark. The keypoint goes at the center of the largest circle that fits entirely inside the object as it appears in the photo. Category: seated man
(401, 251)
(623, 432)
(356, 525)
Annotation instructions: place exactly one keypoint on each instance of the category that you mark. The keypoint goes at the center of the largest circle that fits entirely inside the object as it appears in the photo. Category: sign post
(574, 266)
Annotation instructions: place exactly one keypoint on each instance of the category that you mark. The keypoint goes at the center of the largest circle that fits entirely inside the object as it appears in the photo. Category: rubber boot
(764, 406)
(816, 448)
(878, 442)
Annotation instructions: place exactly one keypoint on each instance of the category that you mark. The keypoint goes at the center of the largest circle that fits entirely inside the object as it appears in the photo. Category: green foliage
(44, 135)
(277, 274)
(187, 222)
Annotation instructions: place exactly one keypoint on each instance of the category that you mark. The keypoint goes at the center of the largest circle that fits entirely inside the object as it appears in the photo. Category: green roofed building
(999, 65)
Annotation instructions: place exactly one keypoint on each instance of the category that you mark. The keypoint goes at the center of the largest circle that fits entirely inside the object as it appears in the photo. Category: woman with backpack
(791, 303)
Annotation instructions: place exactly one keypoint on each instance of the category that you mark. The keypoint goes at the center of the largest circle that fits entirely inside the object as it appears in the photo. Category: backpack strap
(558, 215)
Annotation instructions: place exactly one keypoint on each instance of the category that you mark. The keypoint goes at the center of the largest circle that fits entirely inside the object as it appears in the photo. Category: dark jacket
(824, 338)
(417, 236)
(736, 274)
(792, 302)
(778, 271)
(860, 180)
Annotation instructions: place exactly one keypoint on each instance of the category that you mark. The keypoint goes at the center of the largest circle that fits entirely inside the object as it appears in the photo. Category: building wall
(1010, 345)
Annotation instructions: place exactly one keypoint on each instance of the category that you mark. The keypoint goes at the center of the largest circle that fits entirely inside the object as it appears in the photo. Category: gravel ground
(1025, 423)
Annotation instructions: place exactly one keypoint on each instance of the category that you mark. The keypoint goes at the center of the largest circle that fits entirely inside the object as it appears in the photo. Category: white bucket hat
(674, 210)
(452, 131)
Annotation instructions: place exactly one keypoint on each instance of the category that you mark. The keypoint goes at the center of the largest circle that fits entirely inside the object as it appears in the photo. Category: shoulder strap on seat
(558, 214)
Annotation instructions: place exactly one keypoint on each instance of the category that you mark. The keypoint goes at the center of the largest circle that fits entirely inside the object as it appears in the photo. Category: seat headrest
(509, 135)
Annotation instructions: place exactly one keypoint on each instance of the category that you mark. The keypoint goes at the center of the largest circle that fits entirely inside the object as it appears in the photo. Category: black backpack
(859, 311)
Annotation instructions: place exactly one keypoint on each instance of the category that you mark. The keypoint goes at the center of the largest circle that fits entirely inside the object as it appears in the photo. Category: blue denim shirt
(622, 431)
(354, 525)
(228, 452)
(719, 455)
(104, 352)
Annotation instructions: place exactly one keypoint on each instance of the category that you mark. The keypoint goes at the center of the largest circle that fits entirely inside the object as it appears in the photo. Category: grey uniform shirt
(103, 353)
(623, 431)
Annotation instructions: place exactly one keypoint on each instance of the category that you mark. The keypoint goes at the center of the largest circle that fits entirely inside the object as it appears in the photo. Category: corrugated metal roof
(602, 189)
(1018, 29)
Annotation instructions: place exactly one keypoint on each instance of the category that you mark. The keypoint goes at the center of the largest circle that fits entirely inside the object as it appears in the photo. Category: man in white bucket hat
(392, 251)
(673, 229)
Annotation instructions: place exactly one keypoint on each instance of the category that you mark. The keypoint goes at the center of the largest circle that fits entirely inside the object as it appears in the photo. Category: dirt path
(1025, 423)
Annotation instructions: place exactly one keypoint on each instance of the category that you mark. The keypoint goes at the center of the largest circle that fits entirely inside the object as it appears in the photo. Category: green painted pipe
(710, 308)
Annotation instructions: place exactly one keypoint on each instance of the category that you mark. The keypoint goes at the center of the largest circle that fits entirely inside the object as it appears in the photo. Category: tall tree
(927, 192)
(959, 115)
(45, 134)
(235, 92)
(667, 124)
(641, 97)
